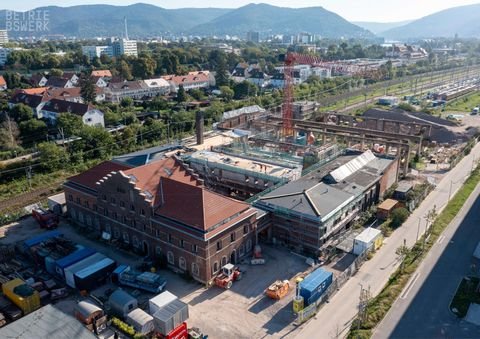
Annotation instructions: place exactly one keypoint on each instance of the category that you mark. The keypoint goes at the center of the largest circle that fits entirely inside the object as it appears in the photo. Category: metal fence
(309, 311)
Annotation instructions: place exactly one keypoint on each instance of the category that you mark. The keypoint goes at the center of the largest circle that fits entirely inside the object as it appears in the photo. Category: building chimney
(199, 127)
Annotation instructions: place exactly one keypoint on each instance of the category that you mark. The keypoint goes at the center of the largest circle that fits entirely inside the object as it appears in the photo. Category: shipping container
(77, 267)
(160, 300)
(141, 321)
(71, 259)
(41, 238)
(314, 285)
(22, 295)
(121, 303)
(96, 274)
(170, 316)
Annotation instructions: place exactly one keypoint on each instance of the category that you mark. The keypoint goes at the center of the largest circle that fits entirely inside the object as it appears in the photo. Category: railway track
(28, 198)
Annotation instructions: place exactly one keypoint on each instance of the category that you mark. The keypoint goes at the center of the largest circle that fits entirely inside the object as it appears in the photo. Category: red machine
(228, 275)
(46, 219)
(179, 332)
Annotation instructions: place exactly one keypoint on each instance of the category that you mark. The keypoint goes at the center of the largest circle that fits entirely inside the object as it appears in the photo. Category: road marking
(440, 239)
(410, 285)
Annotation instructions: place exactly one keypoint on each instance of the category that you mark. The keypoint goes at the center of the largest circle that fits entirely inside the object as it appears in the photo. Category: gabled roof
(64, 106)
(196, 206)
(147, 177)
(31, 100)
(101, 73)
(36, 78)
(125, 85)
(90, 177)
(192, 77)
(64, 93)
(38, 90)
(55, 81)
(2, 81)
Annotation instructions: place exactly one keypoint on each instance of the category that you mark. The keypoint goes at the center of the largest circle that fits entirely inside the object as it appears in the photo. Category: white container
(160, 301)
(366, 240)
(141, 321)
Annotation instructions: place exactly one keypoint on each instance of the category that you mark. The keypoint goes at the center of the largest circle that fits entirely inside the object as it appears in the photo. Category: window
(105, 212)
(80, 217)
(170, 258)
(78, 200)
(73, 213)
(142, 212)
(170, 238)
(182, 244)
(224, 260)
(116, 233)
(215, 267)
(182, 263)
(195, 270)
(135, 241)
(158, 251)
(219, 245)
(112, 200)
(70, 197)
(232, 237)
(88, 219)
(114, 215)
(249, 245)
(241, 250)
(86, 204)
(126, 238)
(120, 190)
(104, 197)
(157, 233)
(245, 229)
(122, 204)
(132, 208)
(194, 248)
(108, 228)
(124, 219)
(95, 207)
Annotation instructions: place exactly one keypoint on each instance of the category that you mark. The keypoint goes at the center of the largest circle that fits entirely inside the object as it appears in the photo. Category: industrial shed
(141, 321)
(54, 324)
(122, 303)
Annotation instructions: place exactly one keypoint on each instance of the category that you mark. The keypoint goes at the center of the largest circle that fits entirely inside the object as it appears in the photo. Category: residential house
(259, 78)
(99, 81)
(137, 90)
(73, 77)
(55, 81)
(34, 101)
(38, 80)
(193, 80)
(104, 73)
(3, 83)
(89, 114)
(163, 211)
(72, 94)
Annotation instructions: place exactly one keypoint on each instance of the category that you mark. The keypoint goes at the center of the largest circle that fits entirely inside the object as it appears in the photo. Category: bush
(123, 327)
(398, 217)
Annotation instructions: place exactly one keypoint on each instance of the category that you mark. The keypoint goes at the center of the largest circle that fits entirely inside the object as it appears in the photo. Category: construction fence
(309, 311)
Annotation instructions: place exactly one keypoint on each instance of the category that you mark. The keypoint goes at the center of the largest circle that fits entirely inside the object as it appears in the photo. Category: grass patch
(379, 305)
(465, 103)
(466, 294)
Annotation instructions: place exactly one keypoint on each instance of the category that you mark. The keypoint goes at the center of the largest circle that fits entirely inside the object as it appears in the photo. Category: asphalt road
(422, 309)
(334, 319)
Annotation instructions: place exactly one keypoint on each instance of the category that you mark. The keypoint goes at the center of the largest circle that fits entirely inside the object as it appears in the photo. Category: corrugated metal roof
(314, 279)
(46, 322)
(94, 268)
(139, 317)
(352, 166)
(244, 110)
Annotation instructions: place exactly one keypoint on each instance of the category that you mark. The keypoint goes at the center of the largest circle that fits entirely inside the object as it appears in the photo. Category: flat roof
(368, 235)
(388, 204)
(243, 163)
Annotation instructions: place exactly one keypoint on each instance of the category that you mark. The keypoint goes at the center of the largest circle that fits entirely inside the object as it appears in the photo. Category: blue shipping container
(91, 277)
(72, 258)
(314, 285)
(40, 238)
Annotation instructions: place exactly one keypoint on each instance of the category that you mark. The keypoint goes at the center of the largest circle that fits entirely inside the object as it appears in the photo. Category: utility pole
(28, 172)
(363, 306)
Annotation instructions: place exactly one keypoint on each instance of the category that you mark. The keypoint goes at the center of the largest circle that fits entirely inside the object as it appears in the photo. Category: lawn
(466, 294)
(464, 104)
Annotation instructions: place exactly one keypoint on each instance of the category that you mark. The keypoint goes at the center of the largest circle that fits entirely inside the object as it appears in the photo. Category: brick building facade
(163, 211)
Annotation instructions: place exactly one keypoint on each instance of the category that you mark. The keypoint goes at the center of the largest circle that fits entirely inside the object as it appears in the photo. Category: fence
(337, 283)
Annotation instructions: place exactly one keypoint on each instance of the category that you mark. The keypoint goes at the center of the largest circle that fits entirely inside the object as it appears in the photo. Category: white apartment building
(125, 47)
(97, 51)
(3, 36)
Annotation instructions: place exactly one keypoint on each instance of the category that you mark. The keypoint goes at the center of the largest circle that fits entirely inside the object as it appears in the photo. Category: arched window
(170, 258)
(224, 260)
(215, 267)
(182, 263)
(195, 270)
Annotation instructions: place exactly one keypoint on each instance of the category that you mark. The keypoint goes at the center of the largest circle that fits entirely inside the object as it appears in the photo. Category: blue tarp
(74, 257)
(40, 238)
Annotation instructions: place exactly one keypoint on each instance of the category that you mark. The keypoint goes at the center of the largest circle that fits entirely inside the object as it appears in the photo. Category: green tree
(69, 123)
(181, 95)
(227, 93)
(157, 104)
(244, 90)
(221, 71)
(402, 253)
(9, 134)
(197, 94)
(399, 216)
(33, 129)
(21, 112)
(124, 70)
(144, 67)
(126, 102)
(87, 89)
(97, 143)
(56, 72)
(52, 157)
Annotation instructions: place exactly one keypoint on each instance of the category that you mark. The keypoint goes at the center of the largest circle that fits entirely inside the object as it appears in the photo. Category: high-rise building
(3, 36)
(253, 36)
(97, 51)
(125, 47)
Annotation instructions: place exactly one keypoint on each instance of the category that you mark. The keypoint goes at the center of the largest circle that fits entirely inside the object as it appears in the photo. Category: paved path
(334, 319)
(422, 310)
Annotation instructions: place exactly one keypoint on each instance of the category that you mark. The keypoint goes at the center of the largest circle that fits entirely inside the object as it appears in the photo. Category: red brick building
(162, 210)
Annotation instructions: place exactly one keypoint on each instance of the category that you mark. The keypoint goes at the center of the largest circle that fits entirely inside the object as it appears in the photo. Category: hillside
(380, 27)
(463, 21)
(144, 20)
(265, 18)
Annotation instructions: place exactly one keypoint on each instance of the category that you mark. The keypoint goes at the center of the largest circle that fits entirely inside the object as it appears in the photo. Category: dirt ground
(241, 312)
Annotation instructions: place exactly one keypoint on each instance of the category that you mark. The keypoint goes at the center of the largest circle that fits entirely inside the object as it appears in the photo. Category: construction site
(213, 217)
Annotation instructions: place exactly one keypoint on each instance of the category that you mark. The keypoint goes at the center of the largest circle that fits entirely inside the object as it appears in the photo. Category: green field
(464, 104)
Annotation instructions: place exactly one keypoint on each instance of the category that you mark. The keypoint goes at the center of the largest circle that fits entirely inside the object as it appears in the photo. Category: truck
(45, 218)
(227, 276)
(147, 281)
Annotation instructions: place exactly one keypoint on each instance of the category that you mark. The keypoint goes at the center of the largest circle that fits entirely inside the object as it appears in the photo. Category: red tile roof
(94, 174)
(2, 81)
(195, 206)
(192, 77)
(148, 176)
(101, 73)
(39, 90)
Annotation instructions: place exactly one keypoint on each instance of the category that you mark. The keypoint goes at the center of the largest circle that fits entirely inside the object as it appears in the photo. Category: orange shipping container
(22, 295)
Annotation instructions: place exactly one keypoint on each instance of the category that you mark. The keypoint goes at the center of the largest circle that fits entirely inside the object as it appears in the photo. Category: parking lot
(241, 312)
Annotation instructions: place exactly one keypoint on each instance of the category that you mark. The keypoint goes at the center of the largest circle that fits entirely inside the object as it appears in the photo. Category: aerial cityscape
(240, 170)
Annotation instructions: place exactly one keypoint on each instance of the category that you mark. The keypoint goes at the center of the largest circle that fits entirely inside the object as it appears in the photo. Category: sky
(352, 10)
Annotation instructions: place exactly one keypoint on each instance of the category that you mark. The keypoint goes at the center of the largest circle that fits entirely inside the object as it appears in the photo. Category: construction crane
(336, 67)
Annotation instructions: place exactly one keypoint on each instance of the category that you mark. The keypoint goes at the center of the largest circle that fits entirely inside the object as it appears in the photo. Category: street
(334, 318)
(422, 311)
